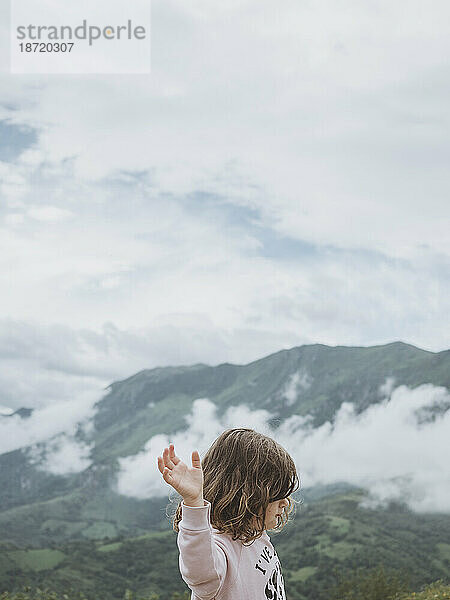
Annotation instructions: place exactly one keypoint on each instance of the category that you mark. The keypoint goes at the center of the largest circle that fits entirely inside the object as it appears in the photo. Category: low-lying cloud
(62, 455)
(389, 449)
(46, 423)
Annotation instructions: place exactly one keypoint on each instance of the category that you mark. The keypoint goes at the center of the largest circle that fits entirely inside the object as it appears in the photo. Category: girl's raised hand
(187, 481)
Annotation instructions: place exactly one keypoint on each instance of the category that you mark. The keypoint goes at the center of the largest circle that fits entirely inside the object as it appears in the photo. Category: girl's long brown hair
(243, 471)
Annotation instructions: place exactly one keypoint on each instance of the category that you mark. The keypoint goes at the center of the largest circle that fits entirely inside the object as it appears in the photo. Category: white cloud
(51, 214)
(385, 449)
(61, 455)
(139, 476)
(48, 421)
(297, 382)
(386, 388)
(332, 152)
(14, 218)
(132, 263)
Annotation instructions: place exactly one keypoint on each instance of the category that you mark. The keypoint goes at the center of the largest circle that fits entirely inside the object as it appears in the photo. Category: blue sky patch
(14, 139)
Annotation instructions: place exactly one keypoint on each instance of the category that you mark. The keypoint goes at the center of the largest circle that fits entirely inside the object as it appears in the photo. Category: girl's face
(273, 511)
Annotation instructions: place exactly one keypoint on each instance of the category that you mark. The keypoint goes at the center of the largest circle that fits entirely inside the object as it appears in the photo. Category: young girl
(240, 489)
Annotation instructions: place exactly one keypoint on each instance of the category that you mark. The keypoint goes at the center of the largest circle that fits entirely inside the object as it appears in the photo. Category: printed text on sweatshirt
(216, 567)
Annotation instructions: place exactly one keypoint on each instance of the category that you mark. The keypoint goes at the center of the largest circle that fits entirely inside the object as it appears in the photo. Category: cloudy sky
(280, 178)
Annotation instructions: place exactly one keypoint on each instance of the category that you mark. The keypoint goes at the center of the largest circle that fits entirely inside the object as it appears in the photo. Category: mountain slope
(327, 533)
(39, 508)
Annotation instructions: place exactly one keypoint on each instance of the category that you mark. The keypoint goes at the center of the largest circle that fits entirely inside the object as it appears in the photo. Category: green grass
(438, 590)
(69, 527)
(37, 560)
(444, 550)
(302, 574)
(100, 529)
(340, 550)
(109, 547)
(340, 524)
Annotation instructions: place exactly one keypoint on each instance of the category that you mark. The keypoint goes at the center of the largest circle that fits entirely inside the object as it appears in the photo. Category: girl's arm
(202, 560)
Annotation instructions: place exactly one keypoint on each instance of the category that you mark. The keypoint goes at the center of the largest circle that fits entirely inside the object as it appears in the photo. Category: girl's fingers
(160, 464)
(196, 459)
(167, 474)
(167, 460)
(173, 457)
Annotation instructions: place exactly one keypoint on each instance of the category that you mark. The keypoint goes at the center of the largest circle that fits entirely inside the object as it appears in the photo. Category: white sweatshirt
(215, 566)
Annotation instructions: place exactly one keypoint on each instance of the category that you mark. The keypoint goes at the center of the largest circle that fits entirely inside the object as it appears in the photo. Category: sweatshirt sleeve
(202, 560)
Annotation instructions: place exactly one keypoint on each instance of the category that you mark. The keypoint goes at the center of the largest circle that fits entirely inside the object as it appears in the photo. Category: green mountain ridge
(156, 400)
